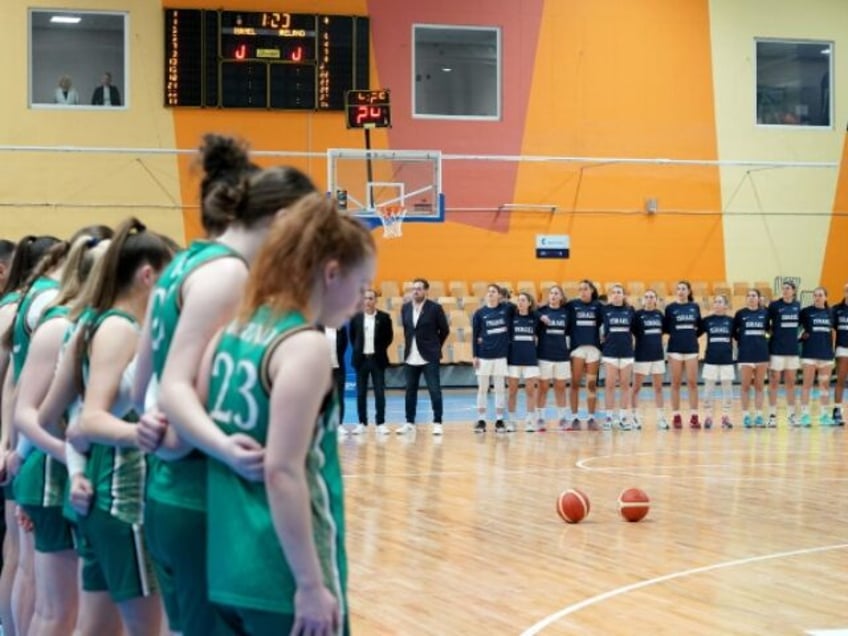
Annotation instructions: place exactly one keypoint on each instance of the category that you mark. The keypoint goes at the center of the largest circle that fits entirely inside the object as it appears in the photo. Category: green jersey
(116, 474)
(42, 480)
(247, 567)
(182, 482)
(43, 290)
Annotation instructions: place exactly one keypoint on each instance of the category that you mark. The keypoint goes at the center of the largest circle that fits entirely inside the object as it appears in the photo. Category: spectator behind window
(65, 94)
(106, 94)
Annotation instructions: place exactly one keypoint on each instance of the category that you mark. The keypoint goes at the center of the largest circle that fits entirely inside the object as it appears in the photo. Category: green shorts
(118, 561)
(242, 621)
(52, 531)
(176, 539)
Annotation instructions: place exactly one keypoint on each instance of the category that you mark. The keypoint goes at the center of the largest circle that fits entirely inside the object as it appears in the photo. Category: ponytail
(131, 247)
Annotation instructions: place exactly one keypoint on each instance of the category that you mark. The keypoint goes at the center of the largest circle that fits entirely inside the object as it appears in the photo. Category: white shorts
(818, 364)
(749, 364)
(618, 363)
(527, 372)
(682, 356)
(492, 366)
(587, 353)
(784, 363)
(657, 367)
(842, 352)
(549, 370)
(718, 372)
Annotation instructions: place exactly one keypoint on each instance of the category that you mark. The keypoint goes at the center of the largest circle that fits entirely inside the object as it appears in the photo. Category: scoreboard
(264, 60)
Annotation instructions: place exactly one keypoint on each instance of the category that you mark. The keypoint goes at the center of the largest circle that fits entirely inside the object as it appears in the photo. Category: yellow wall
(760, 247)
(146, 182)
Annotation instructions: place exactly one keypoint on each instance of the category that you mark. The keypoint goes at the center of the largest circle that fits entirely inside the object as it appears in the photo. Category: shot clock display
(281, 61)
(368, 109)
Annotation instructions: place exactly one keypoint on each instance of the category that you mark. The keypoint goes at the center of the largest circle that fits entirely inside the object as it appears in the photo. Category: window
(794, 83)
(77, 59)
(457, 72)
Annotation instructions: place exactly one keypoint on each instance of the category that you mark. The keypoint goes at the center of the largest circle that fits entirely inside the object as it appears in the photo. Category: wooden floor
(748, 532)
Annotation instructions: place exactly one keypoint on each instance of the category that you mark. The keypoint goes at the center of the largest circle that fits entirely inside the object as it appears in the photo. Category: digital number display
(267, 60)
(368, 109)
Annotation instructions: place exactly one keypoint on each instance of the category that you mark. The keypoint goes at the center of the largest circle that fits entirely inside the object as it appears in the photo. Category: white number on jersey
(225, 367)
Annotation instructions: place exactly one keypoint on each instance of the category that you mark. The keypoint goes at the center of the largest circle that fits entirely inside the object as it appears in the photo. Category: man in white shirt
(371, 334)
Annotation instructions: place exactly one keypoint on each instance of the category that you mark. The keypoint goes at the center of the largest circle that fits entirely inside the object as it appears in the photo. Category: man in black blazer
(106, 94)
(371, 335)
(425, 329)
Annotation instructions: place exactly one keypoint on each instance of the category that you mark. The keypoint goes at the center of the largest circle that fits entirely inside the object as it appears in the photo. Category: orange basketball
(633, 504)
(572, 505)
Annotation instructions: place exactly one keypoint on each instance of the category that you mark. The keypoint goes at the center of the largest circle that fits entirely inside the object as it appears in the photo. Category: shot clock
(264, 60)
(368, 109)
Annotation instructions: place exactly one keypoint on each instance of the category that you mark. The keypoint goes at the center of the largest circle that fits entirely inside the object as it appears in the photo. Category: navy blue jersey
(817, 333)
(681, 325)
(522, 344)
(490, 331)
(618, 331)
(648, 330)
(584, 323)
(783, 323)
(840, 322)
(719, 330)
(553, 339)
(749, 329)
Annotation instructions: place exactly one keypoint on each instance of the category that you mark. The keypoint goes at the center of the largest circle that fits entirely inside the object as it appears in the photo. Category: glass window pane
(78, 58)
(457, 72)
(794, 83)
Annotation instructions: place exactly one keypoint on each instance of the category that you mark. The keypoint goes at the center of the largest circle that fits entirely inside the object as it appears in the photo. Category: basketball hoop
(392, 217)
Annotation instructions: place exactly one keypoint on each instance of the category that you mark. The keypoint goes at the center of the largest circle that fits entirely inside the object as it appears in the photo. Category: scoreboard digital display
(368, 109)
(263, 60)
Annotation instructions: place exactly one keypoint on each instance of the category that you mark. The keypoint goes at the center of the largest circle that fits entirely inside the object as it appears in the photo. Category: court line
(576, 607)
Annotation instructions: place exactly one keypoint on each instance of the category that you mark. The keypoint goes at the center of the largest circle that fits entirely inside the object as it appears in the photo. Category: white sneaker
(405, 429)
(382, 429)
(341, 431)
(529, 426)
(637, 423)
(510, 426)
(359, 429)
(437, 429)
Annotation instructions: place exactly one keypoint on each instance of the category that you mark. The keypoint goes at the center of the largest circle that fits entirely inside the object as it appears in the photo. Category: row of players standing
(564, 342)
(110, 328)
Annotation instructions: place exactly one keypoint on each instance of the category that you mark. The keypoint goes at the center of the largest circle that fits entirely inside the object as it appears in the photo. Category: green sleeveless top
(180, 483)
(21, 331)
(248, 569)
(42, 480)
(117, 474)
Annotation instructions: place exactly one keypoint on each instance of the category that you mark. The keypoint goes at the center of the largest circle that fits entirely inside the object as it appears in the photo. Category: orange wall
(835, 270)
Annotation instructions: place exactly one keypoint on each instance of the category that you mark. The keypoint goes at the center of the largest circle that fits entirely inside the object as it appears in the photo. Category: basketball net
(392, 218)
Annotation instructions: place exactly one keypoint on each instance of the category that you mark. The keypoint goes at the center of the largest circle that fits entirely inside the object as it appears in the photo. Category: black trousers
(434, 385)
(370, 369)
(339, 380)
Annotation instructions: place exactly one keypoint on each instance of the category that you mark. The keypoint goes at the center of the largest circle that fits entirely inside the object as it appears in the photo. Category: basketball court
(459, 534)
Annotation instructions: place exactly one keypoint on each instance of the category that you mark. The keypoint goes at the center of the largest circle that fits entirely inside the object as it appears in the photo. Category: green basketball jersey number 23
(240, 521)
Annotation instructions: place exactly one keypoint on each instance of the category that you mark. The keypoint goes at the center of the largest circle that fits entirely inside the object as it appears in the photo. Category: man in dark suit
(425, 329)
(106, 94)
(371, 334)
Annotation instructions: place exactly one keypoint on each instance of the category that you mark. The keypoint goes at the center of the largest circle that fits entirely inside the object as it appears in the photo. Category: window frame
(499, 70)
(824, 43)
(125, 95)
